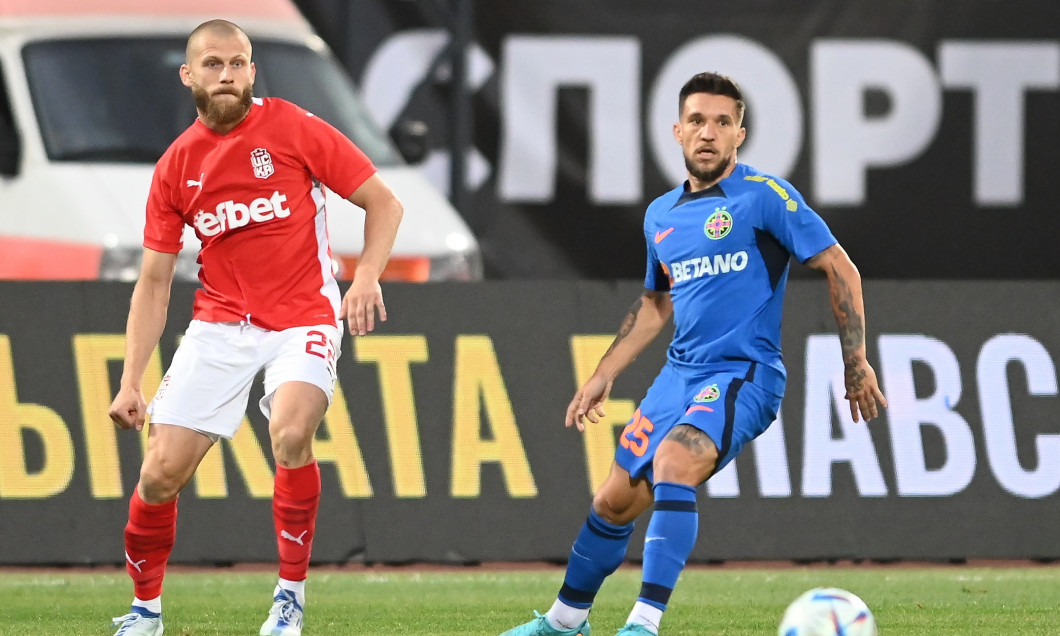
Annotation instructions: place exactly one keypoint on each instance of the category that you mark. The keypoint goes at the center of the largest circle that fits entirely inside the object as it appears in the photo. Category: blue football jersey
(723, 254)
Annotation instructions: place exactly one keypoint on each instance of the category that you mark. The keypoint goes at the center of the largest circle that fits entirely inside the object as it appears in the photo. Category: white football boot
(285, 617)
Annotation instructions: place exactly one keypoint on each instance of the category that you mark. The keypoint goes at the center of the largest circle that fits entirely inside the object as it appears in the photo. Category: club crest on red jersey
(261, 160)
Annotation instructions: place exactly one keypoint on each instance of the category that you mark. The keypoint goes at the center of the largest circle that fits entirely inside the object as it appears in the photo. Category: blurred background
(924, 133)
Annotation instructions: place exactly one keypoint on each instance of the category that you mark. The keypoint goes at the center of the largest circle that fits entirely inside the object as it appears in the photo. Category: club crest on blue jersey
(708, 394)
(719, 224)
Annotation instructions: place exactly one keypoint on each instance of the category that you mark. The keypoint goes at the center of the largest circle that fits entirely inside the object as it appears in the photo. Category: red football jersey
(255, 198)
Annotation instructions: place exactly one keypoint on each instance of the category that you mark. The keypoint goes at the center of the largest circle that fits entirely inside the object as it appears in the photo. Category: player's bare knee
(292, 445)
(290, 435)
(618, 515)
(159, 482)
(619, 508)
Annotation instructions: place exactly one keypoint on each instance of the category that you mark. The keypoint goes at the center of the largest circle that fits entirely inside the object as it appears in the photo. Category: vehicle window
(121, 99)
(9, 141)
(319, 85)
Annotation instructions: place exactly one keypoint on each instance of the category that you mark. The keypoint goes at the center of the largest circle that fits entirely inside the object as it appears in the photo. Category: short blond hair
(222, 28)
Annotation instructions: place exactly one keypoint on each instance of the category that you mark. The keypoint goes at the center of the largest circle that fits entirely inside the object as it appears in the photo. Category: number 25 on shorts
(635, 435)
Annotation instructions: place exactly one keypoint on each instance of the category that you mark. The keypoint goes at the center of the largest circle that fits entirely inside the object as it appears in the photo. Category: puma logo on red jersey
(230, 214)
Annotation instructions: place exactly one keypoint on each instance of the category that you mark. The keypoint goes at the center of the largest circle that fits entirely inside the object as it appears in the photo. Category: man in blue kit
(718, 252)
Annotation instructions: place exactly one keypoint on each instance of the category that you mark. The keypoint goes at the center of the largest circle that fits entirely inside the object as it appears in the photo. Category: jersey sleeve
(330, 156)
(794, 223)
(164, 224)
(656, 277)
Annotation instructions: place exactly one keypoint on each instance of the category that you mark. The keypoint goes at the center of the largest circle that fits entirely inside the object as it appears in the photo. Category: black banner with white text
(925, 133)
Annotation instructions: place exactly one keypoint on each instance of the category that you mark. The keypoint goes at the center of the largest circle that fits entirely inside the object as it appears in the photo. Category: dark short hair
(713, 84)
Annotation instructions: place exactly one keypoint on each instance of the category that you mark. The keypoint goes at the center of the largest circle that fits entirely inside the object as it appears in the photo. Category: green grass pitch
(907, 601)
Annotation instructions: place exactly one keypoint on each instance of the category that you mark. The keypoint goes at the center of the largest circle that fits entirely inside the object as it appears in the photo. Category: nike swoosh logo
(659, 236)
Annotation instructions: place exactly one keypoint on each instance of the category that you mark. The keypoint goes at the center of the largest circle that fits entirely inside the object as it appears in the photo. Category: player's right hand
(588, 402)
(360, 304)
(128, 410)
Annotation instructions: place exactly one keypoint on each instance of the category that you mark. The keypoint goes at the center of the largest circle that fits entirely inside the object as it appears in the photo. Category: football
(827, 611)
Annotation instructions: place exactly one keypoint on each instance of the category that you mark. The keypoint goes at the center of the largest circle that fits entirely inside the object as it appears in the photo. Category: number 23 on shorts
(317, 344)
(635, 435)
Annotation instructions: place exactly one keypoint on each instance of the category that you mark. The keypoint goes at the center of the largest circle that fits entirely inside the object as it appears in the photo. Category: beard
(218, 112)
(707, 175)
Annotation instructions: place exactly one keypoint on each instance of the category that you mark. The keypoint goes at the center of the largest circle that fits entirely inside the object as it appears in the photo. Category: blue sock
(597, 552)
(670, 538)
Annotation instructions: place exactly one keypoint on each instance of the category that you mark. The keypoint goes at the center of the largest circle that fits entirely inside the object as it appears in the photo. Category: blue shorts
(728, 405)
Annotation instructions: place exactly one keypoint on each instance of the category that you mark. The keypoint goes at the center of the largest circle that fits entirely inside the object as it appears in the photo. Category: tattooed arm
(844, 285)
(646, 318)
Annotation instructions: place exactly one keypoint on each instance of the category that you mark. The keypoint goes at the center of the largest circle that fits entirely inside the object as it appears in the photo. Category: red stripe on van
(43, 259)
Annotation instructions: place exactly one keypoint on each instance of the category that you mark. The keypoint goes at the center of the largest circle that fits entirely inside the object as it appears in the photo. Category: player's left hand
(360, 304)
(863, 391)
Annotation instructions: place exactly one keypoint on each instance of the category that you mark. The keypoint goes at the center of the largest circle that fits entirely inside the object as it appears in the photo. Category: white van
(90, 97)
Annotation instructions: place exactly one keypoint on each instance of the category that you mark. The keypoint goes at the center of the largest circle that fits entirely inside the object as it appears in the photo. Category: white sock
(646, 615)
(564, 617)
(296, 587)
(153, 605)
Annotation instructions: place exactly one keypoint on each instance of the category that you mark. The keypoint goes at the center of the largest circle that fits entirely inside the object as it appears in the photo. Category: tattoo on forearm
(627, 324)
(851, 329)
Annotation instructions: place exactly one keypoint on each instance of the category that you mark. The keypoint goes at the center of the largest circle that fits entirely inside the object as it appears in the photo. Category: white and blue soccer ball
(827, 611)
